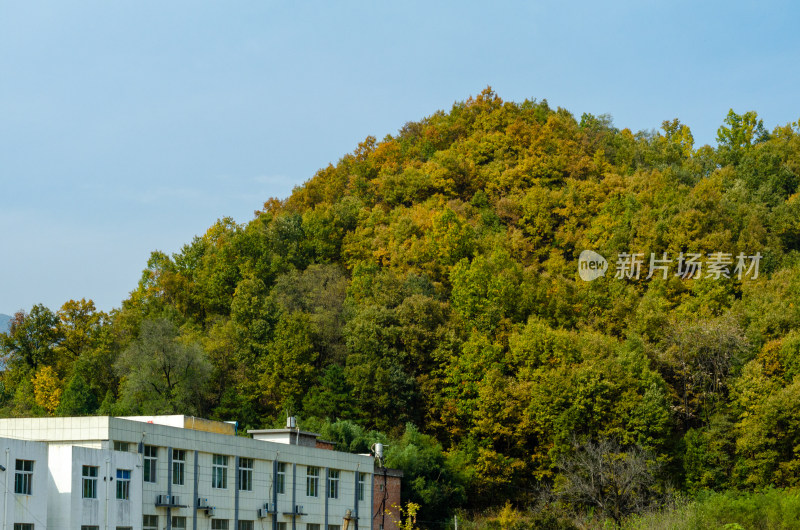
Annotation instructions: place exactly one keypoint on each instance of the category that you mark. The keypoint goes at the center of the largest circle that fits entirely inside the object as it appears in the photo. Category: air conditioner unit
(209, 511)
(298, 509)
(263, 512)
(163, 500)
(270, 507)
(202, 503)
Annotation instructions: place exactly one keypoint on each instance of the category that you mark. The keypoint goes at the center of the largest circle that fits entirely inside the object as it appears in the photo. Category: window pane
(178, 466)
(123, 484)
(246, 474)
(23, 477)
(149, 522)
(150, 460)
(333, 483)
(219, 472)
(280, 478)
(362, 485)
(89, 482)
(312, 481)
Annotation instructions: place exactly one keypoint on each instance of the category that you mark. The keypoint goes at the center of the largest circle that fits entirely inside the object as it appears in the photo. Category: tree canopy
(425, 289)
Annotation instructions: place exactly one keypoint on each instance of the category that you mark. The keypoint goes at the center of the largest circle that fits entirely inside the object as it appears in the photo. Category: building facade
(386, 500)
(179, 472)
(23, 466)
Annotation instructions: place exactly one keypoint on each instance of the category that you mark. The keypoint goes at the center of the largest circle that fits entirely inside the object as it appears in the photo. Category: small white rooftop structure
(285, 436)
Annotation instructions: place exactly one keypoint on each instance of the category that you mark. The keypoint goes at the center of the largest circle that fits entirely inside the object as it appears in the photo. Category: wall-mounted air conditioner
(163, 500)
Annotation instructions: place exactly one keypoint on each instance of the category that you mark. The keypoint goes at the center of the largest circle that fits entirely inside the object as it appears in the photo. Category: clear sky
(127, 127)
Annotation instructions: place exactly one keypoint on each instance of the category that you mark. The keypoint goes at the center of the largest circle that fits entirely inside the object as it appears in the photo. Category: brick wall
(386, 498)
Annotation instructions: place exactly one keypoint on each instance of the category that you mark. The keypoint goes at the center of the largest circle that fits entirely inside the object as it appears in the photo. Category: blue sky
(127, 127)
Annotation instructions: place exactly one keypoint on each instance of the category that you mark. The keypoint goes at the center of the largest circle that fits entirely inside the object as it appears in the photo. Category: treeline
(425, 289)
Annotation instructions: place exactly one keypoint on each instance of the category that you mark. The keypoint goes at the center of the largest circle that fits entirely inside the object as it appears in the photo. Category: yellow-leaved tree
(47, 389)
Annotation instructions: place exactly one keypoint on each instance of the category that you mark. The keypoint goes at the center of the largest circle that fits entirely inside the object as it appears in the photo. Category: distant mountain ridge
(4, 322)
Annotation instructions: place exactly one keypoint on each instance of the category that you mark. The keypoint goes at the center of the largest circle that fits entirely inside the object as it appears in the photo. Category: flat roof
(281, 431)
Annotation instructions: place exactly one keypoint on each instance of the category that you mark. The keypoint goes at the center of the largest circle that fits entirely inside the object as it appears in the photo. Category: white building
(24, 477)
(178, 472)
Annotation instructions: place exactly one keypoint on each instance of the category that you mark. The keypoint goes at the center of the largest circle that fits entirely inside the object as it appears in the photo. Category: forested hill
(432, 278)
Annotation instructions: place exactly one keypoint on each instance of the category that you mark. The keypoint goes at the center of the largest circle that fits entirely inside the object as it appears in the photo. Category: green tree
(739, 134)
(162, 372)
(78, 399)
(429, 476)
(31, 339)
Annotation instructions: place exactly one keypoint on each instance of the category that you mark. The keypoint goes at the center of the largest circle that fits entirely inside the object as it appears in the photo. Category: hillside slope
(432, 278)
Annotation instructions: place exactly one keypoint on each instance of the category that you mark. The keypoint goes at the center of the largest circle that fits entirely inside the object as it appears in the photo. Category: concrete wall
(68, 508)
(18, 508)
(264, 454)
(75, 442)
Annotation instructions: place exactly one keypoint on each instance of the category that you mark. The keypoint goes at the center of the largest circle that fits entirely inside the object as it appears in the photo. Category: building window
(178, 466)
(333, 484)
(312, 526)
(312, 481)
(89, 482)
(121, 446)
(123, 484)
(178, 522)
(150, 460)
(23, 526)
(149, 522)
(245, 525)
(281, 526)
(333, 527)
(85, 527)
(219, 524)
(362, 485)
(280, 478)
(124, 528)
(23, 478)
(246, 474)
(219, 472)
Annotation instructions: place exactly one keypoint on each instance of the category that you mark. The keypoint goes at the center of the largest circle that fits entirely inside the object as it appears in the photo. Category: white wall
(18, 508)
(68, 508)
(68, 453)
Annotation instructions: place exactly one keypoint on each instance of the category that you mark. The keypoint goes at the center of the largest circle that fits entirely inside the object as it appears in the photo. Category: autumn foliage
(429, 281)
